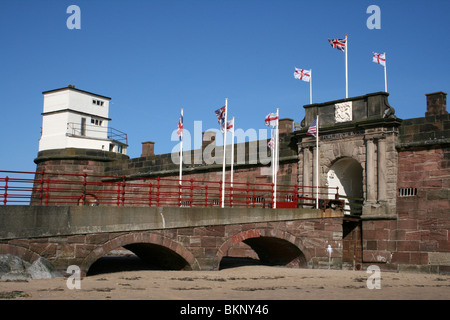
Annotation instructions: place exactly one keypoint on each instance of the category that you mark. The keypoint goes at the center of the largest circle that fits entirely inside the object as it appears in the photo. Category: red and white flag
(379, 58)
(312, 131)
(180, 126)
(271, 119)
(271, 143)
(230, 125)
(302, 74)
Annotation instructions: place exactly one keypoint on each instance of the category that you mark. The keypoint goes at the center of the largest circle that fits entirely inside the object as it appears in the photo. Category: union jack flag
(338, 43)
(312, 131)
(180, 127)
(220, 113)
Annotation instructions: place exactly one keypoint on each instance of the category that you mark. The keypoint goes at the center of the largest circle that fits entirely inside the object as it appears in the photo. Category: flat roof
(75, 89)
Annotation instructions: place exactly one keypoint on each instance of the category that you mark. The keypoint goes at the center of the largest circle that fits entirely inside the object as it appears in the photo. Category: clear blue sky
(155, 57)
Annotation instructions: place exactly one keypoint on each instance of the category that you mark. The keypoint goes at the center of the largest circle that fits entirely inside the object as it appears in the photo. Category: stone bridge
(179, 238)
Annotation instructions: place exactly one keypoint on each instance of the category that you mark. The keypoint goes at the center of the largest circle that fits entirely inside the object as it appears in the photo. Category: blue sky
(155, 57)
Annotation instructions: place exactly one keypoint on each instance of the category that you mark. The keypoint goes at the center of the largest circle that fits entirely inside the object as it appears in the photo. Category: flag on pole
(379, 58)
(230, 125)
(220, 113)
(180, 126)
(302, 74)
(312, 131)
(271, 119)
(222, 119)
(338, 44)
(271, 143)
(180, 134)
(342, 44)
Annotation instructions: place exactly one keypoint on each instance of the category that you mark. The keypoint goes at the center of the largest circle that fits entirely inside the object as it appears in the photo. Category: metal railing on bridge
(51, 188)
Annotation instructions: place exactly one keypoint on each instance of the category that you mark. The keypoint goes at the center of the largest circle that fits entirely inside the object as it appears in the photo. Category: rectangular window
(407, 192)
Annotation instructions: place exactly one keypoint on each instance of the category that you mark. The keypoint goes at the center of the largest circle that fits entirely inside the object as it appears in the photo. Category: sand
(248, 283)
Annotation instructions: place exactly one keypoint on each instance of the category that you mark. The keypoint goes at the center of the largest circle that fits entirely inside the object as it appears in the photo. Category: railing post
(6, 191)
(248, 191)
(273, 195)
(253, 197)
(150, 194)
(47, 191)
(192, 190)
(41, 190)
(220, 192)
(295, 195)
(231, 196)
(84, 189)
(123, 190)
(157, 191)
(180, 186)
(118, 193)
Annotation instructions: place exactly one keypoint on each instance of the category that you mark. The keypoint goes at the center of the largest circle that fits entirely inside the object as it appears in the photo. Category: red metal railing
(50, 188)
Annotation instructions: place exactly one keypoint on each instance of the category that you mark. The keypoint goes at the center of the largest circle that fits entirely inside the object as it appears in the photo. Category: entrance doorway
(347, 175)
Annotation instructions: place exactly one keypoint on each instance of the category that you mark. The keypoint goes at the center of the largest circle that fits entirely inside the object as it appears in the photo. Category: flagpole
(346, 66)
(276, 161)
(181, 152)
(310, 86)
(224, 149)
(385, 77)
(317, 162)
(232, 155)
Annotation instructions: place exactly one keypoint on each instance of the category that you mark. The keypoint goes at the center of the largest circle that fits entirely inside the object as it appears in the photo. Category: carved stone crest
(343, 111)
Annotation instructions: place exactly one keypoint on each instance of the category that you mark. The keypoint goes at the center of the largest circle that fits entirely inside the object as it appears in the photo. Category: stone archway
(148, 246)
(347, 174)
(272, 247)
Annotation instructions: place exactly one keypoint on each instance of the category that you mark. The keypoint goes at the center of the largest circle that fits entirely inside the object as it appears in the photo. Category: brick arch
(259, 233)
(21, 252)
(139, 238)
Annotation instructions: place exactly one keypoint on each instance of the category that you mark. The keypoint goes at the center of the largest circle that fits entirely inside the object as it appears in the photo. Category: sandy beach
(240, 283)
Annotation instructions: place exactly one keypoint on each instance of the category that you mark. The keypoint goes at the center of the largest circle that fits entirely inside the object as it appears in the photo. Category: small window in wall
(407, 192)
(97, 102)
(96, 122)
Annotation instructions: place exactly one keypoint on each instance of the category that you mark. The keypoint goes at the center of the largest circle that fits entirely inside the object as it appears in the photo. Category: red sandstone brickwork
(423, 226)
(201, 247)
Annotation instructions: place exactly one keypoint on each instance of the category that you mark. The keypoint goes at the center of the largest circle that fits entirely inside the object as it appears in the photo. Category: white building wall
(63, 112)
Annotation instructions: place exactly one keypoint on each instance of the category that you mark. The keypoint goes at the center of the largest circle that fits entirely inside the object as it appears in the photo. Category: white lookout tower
(74, 118)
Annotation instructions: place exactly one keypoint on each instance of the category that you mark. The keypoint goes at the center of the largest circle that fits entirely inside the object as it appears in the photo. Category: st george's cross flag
(338, 44)
(379, 58)
(302, 74)
(271, 119)
(230, 125)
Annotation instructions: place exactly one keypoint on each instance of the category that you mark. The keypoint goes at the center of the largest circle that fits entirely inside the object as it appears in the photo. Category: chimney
(436, 104)
(286, 126)
(148, 149)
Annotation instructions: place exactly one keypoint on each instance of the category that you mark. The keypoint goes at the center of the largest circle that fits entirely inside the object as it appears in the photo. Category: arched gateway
(356, 137)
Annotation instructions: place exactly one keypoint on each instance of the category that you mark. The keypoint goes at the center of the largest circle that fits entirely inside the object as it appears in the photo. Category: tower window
(98, 102)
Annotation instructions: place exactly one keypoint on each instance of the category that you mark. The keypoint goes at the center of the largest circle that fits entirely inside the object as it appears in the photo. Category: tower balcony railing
(96, 132)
